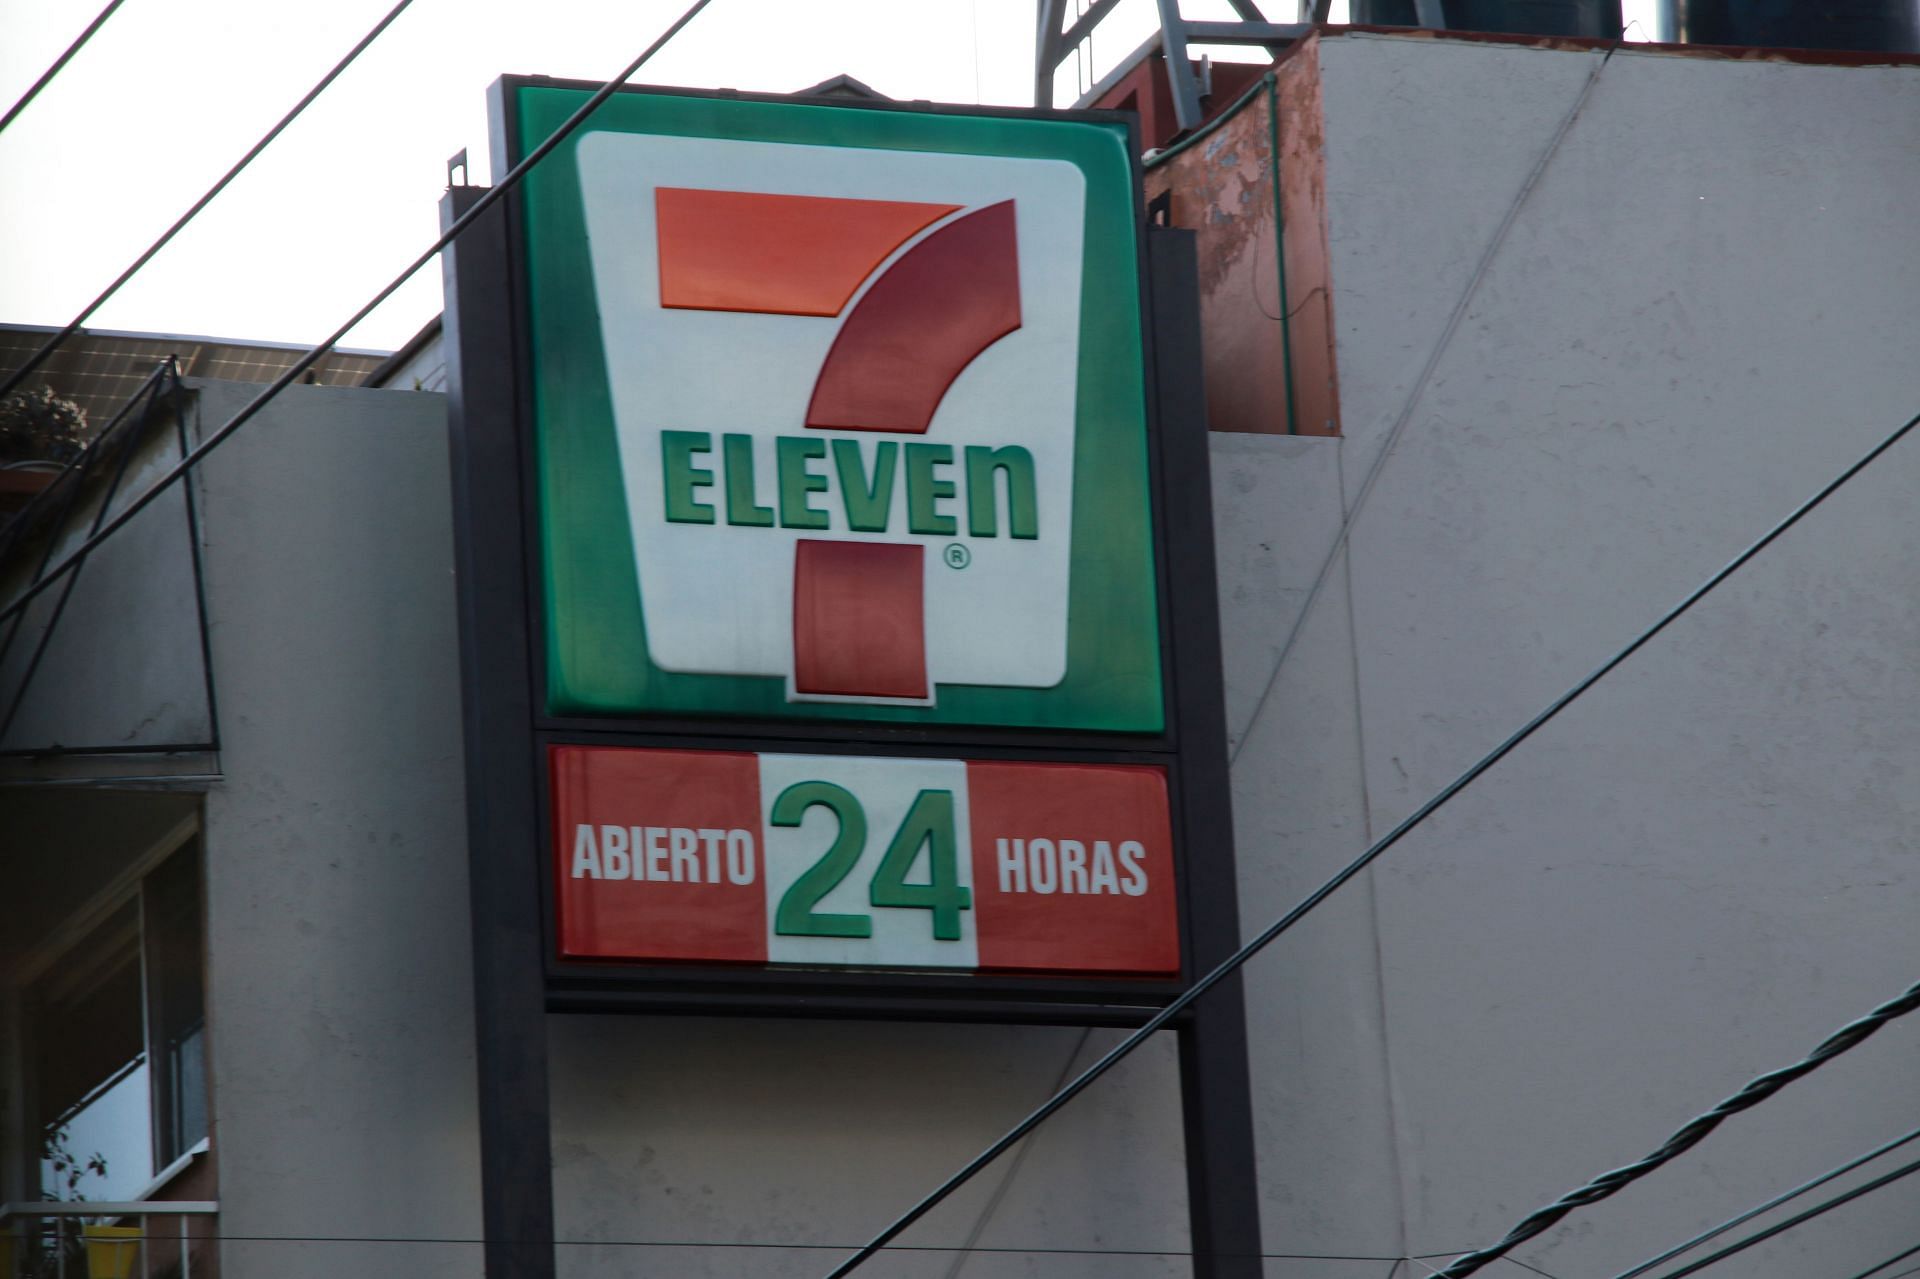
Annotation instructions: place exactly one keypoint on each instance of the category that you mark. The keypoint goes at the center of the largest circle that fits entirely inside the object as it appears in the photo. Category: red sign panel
(1073, 867)
(659, 845)
(852, 861)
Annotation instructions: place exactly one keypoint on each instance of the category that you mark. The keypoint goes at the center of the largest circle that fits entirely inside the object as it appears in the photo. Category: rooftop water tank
(1868, 26)
(1599, 19)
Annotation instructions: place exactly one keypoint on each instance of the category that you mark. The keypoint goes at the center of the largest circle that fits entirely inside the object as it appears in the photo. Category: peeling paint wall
(1303, 206)
(1265, 307)
(1220, 188)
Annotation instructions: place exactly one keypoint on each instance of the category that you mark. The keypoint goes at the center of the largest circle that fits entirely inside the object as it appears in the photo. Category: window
(117, 1024)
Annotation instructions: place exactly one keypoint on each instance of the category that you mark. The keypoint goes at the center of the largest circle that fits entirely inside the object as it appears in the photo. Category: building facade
(1559, 331)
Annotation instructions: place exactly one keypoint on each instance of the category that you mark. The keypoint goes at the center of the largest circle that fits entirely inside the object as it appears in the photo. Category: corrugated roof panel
(100, 371)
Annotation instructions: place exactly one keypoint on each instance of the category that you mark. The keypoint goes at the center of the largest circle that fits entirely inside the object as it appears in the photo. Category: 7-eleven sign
(840, 416)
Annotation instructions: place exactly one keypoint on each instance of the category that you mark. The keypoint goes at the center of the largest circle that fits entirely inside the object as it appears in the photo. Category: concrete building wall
(73, 675)
(1703, 309)
(800, 1139)
(339, 984)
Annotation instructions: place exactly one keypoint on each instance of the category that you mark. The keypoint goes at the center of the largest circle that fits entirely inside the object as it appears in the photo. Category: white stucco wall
(340, 995)
(715, 1131)
(1705, 309)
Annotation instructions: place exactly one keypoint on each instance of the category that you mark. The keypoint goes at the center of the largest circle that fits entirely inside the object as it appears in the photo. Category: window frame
(21, 1124)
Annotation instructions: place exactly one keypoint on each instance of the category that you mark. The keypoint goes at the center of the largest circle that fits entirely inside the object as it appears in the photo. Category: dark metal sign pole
(509, 970)
(1223, 1200)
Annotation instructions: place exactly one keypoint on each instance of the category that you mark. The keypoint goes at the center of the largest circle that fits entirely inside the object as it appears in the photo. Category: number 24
(929, 821)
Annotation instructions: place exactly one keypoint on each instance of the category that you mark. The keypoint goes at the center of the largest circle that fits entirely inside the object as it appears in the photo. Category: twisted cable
(1847, 1037)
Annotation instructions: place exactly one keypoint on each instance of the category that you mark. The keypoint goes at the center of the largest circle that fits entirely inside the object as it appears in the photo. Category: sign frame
(927, 993)
(1115, 605)
(519, 976)
(922, 994)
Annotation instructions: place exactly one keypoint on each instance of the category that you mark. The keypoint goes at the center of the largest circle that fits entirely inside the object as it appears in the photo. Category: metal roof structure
(100, 369)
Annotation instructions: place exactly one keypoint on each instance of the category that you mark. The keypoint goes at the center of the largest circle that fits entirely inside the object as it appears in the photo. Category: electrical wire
(1247, 951)
(1693, 1132)
(967, 1247)
(1761, 1236)
(166, 376)
(769, 1246)
(46, 77)
(226, 429)
(73, 326)
(1404, 418)
(1892, 1261)
(14, 529)
(1915, 1270)
(1768, 1206)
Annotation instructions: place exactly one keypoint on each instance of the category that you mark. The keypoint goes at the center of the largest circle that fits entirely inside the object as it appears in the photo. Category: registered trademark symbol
(958, 556)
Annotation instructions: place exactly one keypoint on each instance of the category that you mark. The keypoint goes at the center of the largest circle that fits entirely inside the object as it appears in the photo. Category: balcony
(129, 1239)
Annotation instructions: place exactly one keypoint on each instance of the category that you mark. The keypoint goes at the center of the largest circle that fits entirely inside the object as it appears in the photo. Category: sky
(169, 93)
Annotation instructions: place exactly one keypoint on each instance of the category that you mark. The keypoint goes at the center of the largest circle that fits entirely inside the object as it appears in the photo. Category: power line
(1013, 1169)
(46, 77)
(772, 1246)
(213, 441)
(73, 326)
(1692, 1133)
(1768, 1206)
(1761, 1236)
(13, 531)
(1892, 1261)
(1351, 514)
(167, 376)
(1247, 951)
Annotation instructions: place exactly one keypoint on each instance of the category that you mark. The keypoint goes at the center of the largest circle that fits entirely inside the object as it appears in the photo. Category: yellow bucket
(111, 1251)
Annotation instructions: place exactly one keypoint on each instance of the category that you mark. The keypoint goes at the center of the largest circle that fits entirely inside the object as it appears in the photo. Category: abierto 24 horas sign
(860, 861)
(839, 417)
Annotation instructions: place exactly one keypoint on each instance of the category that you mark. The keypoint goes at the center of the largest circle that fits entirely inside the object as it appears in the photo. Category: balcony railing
(91, 1240)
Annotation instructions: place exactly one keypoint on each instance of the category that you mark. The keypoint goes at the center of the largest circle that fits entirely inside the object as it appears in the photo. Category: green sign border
(597, 658)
